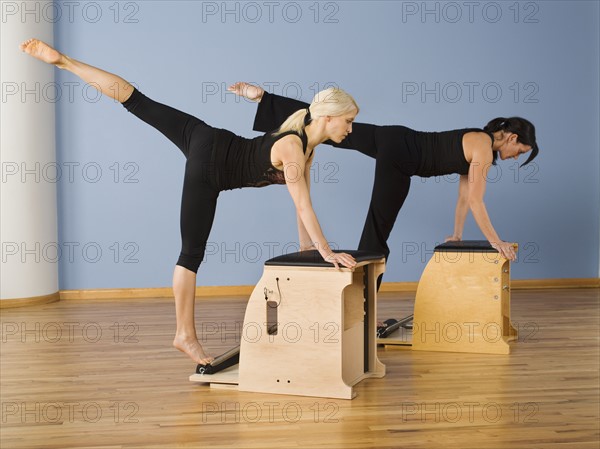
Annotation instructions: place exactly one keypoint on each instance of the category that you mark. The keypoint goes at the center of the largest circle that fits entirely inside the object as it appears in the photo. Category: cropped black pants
(199, 198)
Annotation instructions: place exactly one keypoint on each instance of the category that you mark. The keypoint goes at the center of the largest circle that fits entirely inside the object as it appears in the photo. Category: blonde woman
(219, 160)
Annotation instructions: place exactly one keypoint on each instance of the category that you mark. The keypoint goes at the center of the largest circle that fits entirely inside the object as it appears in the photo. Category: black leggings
(390, 190)
(199, 199)
(395, 164)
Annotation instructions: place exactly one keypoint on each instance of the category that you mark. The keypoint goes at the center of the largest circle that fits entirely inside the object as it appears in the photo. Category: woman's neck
(314, 135)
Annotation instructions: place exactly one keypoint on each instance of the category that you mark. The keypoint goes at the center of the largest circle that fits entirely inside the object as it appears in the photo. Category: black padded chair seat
(471, 246)
(314, 259)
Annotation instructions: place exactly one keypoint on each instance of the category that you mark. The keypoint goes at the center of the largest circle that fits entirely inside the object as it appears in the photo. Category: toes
(25, 45)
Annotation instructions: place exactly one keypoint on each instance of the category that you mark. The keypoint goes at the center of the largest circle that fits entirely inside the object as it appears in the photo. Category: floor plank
(103, 374)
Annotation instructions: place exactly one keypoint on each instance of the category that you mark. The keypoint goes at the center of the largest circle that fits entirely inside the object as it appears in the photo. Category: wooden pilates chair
(309, 329)
(462, 302)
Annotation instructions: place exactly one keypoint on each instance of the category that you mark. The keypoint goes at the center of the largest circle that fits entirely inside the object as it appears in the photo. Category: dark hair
(524, 129)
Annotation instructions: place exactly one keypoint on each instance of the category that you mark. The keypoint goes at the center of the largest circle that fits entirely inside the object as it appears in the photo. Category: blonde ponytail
(294, 122)
(329, 102)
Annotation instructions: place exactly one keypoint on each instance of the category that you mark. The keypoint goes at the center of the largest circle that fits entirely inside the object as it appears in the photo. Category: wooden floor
(102, 374)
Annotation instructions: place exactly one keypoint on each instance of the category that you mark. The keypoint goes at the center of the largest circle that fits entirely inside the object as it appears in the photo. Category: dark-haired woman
(401, 153)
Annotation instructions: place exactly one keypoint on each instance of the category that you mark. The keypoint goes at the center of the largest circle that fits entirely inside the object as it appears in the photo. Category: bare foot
(193, 349)
(42, 51)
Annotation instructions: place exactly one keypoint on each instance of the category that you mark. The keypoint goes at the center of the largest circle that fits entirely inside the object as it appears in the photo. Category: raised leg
(183, 130)
(108, 84)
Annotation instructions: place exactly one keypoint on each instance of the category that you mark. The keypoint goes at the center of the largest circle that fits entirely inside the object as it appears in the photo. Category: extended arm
(480, 164)
(462, 208)
(292, 157)
(303, 237)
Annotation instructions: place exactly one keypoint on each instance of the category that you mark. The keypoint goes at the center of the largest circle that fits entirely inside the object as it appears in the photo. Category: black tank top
(241, 162)
(442, 152)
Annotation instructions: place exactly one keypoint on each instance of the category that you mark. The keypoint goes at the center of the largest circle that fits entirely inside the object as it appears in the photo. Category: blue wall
(429, 66)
